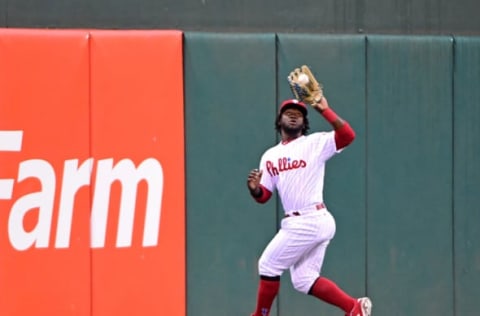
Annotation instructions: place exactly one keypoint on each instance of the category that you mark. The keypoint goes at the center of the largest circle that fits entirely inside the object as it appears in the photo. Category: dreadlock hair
(306, 124)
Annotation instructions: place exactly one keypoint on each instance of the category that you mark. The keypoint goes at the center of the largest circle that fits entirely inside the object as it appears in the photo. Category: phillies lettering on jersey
(284, 164)
(298, 180)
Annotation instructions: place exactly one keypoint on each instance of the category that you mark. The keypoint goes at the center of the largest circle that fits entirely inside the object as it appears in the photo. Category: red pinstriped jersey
(296, 169)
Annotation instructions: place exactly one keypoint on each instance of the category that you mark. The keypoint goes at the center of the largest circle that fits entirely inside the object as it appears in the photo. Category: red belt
(315, 207)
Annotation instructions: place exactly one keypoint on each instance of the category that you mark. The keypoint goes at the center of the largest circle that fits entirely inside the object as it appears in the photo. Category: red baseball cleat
(362, 308)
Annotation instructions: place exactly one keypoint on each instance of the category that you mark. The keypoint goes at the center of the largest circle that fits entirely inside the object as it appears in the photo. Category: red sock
(267, 291)
(329, 292)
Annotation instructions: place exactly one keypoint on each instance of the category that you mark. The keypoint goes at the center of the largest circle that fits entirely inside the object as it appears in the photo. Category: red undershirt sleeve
(265, 196)
(344, 134)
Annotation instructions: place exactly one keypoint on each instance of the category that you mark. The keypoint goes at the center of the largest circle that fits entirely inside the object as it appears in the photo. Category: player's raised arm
(307, 89)
(344, 133)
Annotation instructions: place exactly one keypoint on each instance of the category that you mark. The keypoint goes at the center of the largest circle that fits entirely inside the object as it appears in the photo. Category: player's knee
(266, 268)
(302, 283)
(263, 267)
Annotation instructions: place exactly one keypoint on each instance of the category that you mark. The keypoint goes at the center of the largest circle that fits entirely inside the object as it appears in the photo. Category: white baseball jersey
(296, 169)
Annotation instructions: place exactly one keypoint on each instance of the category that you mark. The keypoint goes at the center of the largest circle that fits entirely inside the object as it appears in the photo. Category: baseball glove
(304, 86)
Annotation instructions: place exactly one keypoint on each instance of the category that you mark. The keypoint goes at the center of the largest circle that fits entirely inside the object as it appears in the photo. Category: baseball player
(295, 168)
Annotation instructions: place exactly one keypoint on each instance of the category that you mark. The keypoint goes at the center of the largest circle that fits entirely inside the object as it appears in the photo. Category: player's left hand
(322, 105)
(305, 86)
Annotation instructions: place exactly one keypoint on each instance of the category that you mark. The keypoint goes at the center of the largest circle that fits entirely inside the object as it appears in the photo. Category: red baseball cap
(293, 103)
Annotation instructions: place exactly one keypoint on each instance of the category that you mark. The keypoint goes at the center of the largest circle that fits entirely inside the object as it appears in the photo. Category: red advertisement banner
(91, 173)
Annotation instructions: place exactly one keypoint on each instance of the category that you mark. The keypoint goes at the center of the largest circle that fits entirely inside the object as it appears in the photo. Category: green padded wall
(404, 194)
(409, 178)
(467, 175)
(230, 106)
(3, 13)
(310, 16)
(339, 64)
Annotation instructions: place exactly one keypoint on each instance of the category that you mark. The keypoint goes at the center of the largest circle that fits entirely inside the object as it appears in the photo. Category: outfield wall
(124, 156)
